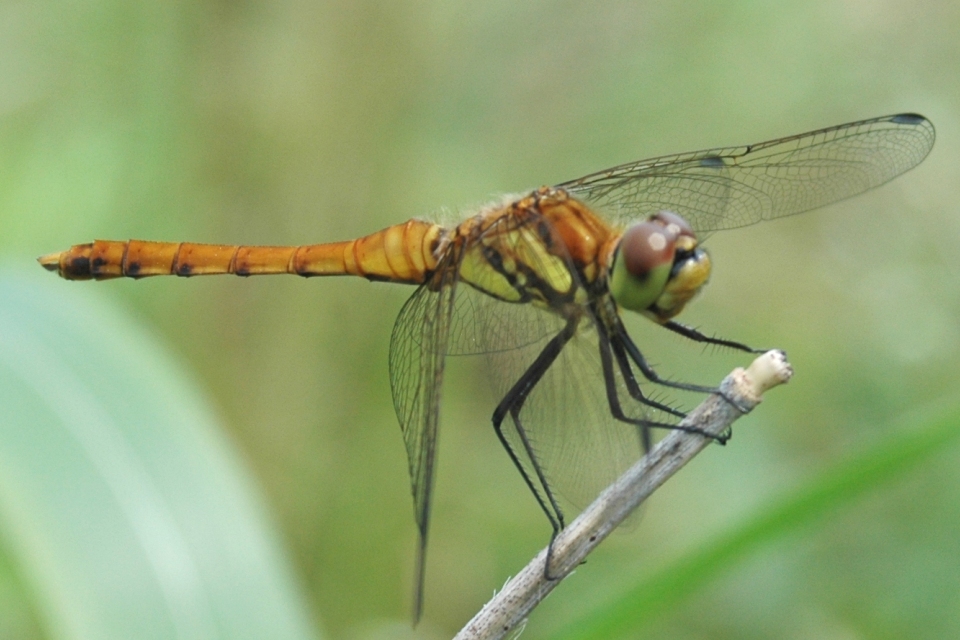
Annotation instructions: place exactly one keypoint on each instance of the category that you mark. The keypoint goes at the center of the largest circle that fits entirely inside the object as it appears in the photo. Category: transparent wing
(738, 186)
(573, 438)
(417, 349)
(483, 324)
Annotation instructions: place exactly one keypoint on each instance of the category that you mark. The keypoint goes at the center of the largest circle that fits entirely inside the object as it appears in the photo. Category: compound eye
(647, 246)
(675, 223)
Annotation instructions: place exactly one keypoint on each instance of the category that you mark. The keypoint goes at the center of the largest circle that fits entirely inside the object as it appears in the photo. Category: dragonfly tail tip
(50, 262)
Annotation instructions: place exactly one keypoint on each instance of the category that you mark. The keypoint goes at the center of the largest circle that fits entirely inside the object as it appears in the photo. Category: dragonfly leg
(557, 521)
(697, 336)
(512, 404)
(627, 343)
(635, 392)
(553, 511)
(614, 401)
(654, 377)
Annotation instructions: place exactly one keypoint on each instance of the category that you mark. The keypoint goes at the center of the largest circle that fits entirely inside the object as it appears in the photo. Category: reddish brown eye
(646, 246)
(673, 221)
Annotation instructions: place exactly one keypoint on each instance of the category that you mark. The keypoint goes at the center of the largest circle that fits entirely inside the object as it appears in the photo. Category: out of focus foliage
(291, 122)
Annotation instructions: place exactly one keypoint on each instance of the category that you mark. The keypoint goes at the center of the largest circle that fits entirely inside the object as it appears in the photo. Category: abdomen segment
(401, 253)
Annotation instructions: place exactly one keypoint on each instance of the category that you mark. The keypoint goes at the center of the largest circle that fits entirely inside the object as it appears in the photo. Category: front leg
(613, 400)
(651, 375)
(696, 336)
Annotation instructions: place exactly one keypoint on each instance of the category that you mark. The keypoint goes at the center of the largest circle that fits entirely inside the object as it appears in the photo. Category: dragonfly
(537, 283)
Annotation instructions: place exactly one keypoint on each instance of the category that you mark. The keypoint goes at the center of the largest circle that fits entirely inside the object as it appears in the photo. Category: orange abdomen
(401, 253)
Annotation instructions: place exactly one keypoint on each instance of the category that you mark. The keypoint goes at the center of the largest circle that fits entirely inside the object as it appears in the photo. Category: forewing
(417, 350)
(737, 186)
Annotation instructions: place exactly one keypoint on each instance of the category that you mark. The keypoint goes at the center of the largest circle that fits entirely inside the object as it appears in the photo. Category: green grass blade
(125, 509)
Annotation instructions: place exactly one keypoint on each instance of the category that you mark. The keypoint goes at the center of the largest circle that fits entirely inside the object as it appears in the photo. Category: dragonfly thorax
(546, 249)
(658, 267)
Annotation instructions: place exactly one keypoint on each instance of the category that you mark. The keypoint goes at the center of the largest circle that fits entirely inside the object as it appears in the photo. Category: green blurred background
(293, 122)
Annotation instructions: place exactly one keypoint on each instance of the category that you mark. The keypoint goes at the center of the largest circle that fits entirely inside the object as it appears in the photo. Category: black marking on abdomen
(79, 266)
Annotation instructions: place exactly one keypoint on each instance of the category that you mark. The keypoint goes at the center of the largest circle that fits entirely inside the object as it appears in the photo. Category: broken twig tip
(767, 371)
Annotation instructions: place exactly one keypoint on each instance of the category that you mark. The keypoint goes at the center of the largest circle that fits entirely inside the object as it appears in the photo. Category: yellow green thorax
(518, 252)
(537, 249)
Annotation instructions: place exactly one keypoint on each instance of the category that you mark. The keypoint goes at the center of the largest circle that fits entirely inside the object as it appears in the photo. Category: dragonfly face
(658, 267)
(535, 284)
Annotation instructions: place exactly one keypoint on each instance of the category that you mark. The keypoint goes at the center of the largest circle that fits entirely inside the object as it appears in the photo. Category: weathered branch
(742, 391)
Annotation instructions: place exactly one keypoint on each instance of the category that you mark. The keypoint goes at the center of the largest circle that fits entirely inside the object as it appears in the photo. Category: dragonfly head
(658, 267)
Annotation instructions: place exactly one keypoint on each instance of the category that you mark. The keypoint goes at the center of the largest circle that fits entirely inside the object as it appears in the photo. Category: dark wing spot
(908, 118)
(712, 161)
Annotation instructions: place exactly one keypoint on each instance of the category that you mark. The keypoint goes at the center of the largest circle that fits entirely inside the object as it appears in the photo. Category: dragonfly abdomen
(401, 253)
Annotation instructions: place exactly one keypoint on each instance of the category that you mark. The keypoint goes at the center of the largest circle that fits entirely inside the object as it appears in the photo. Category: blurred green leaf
(126, 511)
